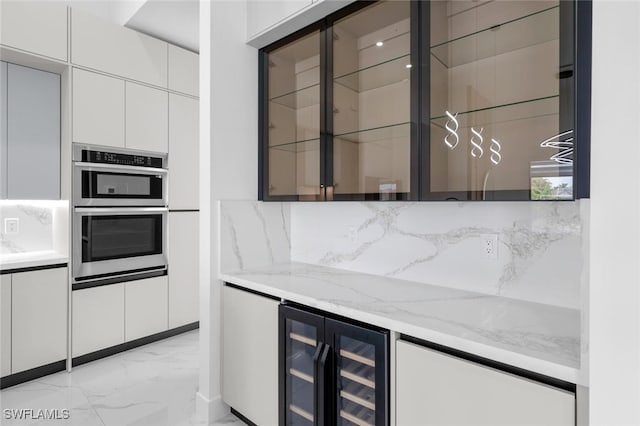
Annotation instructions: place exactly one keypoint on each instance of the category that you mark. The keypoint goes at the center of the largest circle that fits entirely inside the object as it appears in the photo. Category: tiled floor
(152, 385)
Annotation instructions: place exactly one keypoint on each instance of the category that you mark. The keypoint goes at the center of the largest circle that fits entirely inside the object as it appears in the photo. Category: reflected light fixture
(452, 138)
(495, 149)
(408, 66)
(476, 142)
(379, 44)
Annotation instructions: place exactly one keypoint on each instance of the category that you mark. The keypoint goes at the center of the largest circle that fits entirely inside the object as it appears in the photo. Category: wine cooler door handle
(323, 385)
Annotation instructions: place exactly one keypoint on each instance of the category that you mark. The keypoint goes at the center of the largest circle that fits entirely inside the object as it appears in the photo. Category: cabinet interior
(496, 95)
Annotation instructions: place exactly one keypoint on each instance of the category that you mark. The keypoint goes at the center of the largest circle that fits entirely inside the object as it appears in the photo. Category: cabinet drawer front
(108, 47)
(35, 26)
(145, 307)
(39, 318)
(250, 355)
(98, 318)
(433, 388)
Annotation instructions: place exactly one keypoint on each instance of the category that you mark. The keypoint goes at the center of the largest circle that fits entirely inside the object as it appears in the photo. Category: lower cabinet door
(433, 388)
(97, 318)
(5, 325)
(39, 318)
(183, 268)
(145, 307)
(250, 355)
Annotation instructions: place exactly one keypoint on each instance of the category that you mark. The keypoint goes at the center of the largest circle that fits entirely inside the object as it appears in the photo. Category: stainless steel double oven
(120, 213)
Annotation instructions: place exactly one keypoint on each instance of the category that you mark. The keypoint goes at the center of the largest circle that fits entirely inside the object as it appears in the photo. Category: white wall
(228, 165)
(615, 214)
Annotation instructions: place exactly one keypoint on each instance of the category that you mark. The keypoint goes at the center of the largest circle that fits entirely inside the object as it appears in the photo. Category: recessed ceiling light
(408, 66)
(379, 43)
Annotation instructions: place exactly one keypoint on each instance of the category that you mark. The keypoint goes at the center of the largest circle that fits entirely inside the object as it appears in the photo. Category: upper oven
(112, 177)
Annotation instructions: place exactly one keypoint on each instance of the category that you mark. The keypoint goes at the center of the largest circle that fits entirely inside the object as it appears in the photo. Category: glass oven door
(109, 185)
(115, 241)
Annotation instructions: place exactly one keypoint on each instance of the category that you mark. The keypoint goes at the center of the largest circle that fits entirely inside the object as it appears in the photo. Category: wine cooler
(332, 372)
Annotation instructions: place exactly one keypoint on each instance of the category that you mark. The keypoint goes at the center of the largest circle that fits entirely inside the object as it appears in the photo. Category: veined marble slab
(541, 338)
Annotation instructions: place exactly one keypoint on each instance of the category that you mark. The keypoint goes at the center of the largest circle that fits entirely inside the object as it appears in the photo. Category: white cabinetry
(433, 388)
(104, 46)
(250, 355)
(5, 325)
(145, 307)
(35, 26)
(38, 318)
(183, 71)
(183, 268)
(183, 153)
(146, 118)
(98, 318)
(98, 109)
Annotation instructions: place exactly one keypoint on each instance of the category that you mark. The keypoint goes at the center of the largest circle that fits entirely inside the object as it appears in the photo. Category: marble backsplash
(540, 245)
(43, 226)
(253, 234)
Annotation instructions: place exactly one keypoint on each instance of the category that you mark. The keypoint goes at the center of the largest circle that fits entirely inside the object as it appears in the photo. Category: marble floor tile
(153, 385)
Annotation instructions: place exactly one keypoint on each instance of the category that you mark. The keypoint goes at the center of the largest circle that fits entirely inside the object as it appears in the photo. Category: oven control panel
(121, 159)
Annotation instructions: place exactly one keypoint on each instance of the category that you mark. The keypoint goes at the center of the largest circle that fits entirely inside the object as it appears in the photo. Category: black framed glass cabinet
(430, 100)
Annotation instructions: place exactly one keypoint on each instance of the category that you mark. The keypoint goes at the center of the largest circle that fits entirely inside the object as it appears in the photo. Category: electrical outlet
(11, 225)
(489, 246)
(353, 234)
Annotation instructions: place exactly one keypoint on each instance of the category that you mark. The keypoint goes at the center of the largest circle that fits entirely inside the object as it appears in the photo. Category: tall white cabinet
(146, 118)
(184, 151)
(436, 389)
(183, 268)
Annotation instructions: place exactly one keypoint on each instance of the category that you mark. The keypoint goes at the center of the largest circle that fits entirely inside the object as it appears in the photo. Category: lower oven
(114, 242)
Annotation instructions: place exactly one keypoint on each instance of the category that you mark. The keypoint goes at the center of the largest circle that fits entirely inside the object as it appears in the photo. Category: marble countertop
(31, 259)
(540, 338)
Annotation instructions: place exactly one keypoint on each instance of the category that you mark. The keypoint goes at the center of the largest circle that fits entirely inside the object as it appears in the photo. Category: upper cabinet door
(3, 131)
(499, 101)
(184, 145)
(33, 126)
(183, 74)
(108, 47)
(98, 109)
(371, 111)
(35, 26)
(147, 116)
(292, 147)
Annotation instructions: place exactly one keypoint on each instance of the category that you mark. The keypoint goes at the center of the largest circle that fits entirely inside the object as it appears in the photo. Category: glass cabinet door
(361, 373)
(302, 334)
(370, 109)
(292, 115)
(500, 103)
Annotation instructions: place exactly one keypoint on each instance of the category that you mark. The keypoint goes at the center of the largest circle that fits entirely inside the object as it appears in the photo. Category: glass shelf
(529, 30)
(375, 76)
(301, 98)
(376, 134)
(548, 105)
(298, 146)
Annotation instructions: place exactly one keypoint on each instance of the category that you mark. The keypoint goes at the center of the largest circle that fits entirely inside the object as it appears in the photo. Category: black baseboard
(34, 373)
(103, 353)
(241, 417)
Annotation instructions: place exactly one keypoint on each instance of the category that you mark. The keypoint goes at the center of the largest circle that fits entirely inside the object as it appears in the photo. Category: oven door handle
(116, 210)
(139, 169)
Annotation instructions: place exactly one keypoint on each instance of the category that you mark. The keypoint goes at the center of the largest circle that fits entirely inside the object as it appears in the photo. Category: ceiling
(174, 21)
